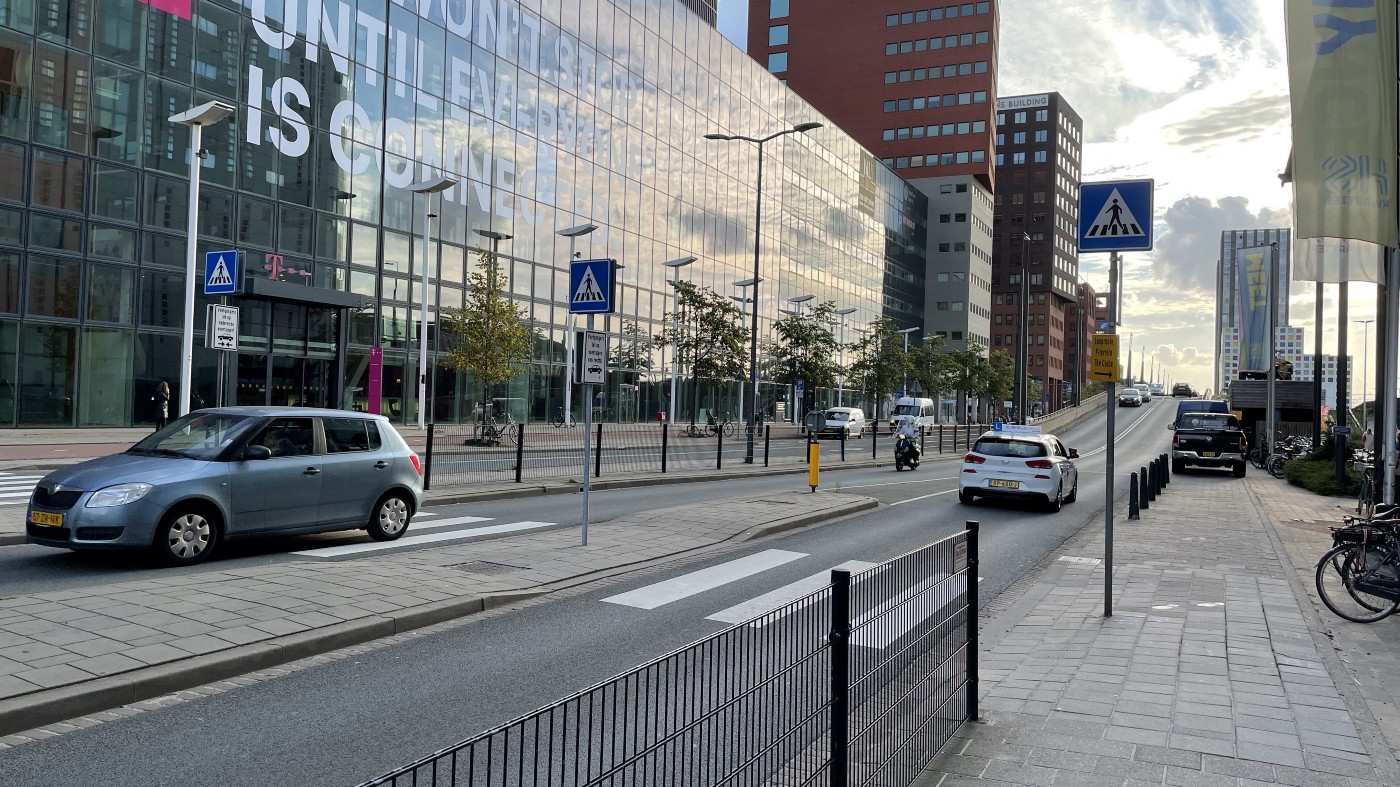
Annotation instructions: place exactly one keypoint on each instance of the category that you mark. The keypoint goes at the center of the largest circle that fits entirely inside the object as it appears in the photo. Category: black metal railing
(858, 683)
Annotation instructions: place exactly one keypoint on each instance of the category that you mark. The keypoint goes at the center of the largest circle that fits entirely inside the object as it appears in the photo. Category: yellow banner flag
(1341, 75)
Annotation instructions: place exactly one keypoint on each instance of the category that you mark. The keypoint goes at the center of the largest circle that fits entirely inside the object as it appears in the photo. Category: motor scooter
(906, 453)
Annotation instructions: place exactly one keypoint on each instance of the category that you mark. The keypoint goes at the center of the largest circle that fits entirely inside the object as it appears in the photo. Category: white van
(922, 412)
(847, 421)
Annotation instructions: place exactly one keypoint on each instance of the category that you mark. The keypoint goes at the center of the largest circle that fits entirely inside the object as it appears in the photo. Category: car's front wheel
(186, 536)
(390, 517)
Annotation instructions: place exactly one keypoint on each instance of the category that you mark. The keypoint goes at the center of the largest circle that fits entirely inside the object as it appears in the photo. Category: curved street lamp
(800, 128)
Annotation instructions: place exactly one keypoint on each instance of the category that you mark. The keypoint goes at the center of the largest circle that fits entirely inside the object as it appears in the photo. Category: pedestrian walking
(1370, 440)
(162, 400)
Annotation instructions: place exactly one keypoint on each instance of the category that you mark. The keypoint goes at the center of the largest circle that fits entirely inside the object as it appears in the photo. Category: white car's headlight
(118, 495)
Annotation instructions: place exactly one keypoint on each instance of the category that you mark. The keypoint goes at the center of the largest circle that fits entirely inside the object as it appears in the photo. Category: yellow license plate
(1007, 484)
(42, 518)
(1207, 453)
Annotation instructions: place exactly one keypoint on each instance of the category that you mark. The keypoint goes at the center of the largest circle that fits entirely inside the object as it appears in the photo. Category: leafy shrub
(1319, 477)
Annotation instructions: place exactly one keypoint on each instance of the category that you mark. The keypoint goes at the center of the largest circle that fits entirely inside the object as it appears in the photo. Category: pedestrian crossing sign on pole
(592, 286)
(1115, 216)
(221, 273)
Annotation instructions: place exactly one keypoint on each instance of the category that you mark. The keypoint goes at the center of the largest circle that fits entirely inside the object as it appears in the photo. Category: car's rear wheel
(390, 517)
(965, 497)
(1057, 502)
(187, 535)
(1240, 468)
(1073, 492)
(1178, 466)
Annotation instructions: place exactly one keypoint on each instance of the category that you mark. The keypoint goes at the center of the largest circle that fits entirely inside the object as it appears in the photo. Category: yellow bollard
(814, 453)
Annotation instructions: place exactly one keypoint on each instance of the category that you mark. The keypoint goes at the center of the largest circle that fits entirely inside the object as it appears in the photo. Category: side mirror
(256, 452)
(1172, 427)
(1073, 454)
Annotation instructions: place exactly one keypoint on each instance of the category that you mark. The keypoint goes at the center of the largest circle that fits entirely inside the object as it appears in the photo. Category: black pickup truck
(1209, 440)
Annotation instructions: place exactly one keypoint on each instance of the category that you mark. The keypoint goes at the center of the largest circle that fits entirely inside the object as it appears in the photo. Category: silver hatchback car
(234, 472)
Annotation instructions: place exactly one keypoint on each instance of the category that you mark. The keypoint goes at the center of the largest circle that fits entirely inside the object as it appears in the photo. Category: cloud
(1188, 242)
(1246, 121)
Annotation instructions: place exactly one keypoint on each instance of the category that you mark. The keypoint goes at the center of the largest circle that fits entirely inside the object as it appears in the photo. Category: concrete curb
(49, 706)
(41, 708)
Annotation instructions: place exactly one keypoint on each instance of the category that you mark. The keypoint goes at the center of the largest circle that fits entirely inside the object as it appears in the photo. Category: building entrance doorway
(283, 381)
(288, 356)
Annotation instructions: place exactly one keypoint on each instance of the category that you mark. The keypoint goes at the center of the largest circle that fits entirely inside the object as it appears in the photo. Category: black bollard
(1152, 480)
(1143, 499)
(1167, 470)
(1133, 497)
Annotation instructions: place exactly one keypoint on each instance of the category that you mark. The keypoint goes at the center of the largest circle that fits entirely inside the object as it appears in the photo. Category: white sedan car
(1020, 463)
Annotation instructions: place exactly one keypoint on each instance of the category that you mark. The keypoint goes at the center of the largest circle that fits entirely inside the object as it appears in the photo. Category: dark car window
(288, 437)
(195, 436)
(348, 434)
(998, 446)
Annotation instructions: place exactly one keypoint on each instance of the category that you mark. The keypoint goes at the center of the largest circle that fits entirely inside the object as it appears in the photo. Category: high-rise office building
(545, 116)
(1035, 251)
(916, 84)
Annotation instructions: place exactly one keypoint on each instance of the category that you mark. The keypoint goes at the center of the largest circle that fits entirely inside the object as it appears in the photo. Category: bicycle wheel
(508, 434)
(1336, 577)
(1256, 457)
(728, 428)
(1363, 498)
(1276, 464)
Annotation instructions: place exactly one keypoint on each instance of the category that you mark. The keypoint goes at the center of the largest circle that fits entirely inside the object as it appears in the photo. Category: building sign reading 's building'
(1023, 102)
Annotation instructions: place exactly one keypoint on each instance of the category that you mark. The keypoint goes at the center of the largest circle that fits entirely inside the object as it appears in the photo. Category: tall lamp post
(744, 300)
(495, 238)
(841, 345)
(427, 188)
(675, 266)
(1365, 366)
(1022, 335)
(573, 234)
(799, 407)
(206, 114)
(906, 333)
(800, 128)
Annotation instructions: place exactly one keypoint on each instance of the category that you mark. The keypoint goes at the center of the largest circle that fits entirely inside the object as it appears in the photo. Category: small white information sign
(221, 328)
(593, 358)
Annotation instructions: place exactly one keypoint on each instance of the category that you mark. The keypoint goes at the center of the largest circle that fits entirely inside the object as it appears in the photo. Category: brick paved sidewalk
(69, 653)
(1215, 669)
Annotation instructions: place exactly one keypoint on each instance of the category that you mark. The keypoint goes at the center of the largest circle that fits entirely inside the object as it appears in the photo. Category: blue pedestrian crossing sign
(1115, 215)
(221, 273)
(591, 286)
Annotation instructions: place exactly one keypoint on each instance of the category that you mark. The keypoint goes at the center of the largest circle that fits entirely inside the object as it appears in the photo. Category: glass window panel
(58, 181)
(106, 392)
(254, 325)
(47, 357)
(778, 9)
(333, 238)
(162, 299)
(166, 145)
(51, 232)
(256, 222)
(114, 192)
(165, 203)
(9, 286)
(215, 212)
(62, 98)
(52, 287)
(297, 230)
(777, 35)
(122, 34)
(11, 226)
(364, 246)
(68, 22)
(777, 62)
(109, 293)
(115, 243)
(398, 249)
(16, 69)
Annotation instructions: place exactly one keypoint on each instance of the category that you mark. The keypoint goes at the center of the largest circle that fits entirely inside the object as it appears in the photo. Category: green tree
(881, 363)
(707, 336)
(490, 336)
(933, 365)
(1001, 376)
(805, 349)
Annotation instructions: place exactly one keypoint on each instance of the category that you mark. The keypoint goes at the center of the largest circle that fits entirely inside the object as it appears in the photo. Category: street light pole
(573, 234)
(1022, 332)
(427, 188)
(906, 333)
(800, 128)
(206, 114)
(1365, 365)
(744, 301)
(675, 266)
(841, 345)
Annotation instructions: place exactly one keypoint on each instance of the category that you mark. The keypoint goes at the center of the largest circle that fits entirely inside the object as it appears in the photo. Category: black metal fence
(859, 683)
(465, 453)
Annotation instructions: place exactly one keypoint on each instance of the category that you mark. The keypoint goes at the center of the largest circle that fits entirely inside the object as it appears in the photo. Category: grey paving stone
(968, 766)
(1314, 738)
(109, 664)
(1062, 760)
(1278, 755)
(1230, 766)
(1019, 773)
(1136, 735)
(60, 675)
(1081, 779)
(1131, 769)
(1201, 744)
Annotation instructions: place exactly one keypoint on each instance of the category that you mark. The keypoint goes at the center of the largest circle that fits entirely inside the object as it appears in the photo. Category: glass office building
(549, 113)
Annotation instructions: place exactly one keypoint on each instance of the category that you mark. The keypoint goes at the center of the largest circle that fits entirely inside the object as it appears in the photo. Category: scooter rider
(907, 429)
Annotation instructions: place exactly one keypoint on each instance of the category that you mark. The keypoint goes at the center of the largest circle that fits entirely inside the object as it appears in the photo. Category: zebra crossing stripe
(783, 596)
(677, 588)
(918, 603)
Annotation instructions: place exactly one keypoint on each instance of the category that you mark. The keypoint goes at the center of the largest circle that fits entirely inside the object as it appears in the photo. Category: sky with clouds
(1190, 93)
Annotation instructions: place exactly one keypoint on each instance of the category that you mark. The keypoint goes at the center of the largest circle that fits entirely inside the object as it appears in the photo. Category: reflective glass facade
(550, 113)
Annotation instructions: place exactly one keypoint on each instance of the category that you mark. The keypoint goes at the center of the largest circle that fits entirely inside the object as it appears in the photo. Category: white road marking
(25, 493)
(424, 513)
(895, 483)
(915, 605)
(923, 497)
(784, 595)
(1124, 433)
(677, 588)
(427, 538)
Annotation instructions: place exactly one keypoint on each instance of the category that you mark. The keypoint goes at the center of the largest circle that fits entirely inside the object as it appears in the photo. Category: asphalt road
(344, 721)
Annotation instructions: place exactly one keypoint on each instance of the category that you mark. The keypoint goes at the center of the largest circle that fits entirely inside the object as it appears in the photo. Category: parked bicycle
(1359, 578)
(722, 425)
(561, 419)
(1289, 448)
(1363, 461)
(496, 433)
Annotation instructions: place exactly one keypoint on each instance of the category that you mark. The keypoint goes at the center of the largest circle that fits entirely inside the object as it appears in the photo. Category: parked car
(848, 421)
(1209, 440)
(1016, 465)
(231, 473)
(1130, 397)
(1197, 406)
